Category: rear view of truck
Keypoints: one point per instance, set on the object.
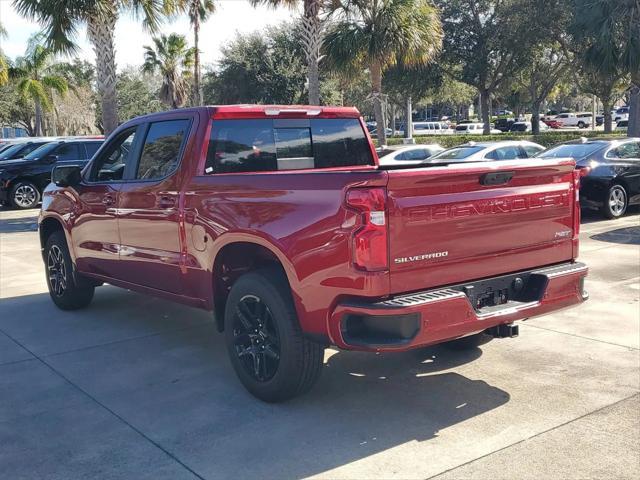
(470, 248)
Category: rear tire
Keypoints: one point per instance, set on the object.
(468, 343)
(68, 290)
(615, 203)
(24, 195)
(268, 351)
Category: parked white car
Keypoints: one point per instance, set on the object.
(622, 113)
(487, 151)
(573, 120)
(431, 128)
(473, 129)
(408, 154)
(526, 127)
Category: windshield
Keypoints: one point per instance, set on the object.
(20, 149)
(11, 151)
(41, 151)
(575, 150)
(457, 153)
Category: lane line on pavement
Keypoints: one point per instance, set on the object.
(597, 410)
(141, 337)
(112, 412)
(581, 336)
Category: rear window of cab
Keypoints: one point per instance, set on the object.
(266, 145)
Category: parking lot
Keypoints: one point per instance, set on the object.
(137, 387)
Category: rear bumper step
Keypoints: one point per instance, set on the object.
(429, 317)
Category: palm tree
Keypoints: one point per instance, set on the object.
(35, 79)
(198, 11)
(380, 34)
(173, 59)
(62, 18)
(609, 34)
(313, 32)
(4, 66)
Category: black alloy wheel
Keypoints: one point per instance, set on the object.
(256, 338)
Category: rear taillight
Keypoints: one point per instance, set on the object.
(578, 173)
(370, 239)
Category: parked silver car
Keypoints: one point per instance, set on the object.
(488, 151)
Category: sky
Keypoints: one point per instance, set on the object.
(231, 16)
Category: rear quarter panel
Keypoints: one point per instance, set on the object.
(300, 217)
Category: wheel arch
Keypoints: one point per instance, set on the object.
(240, 254)
(49, 225)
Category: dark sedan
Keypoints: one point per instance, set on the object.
(611, 172)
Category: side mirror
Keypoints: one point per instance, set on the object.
(66, 175)
(51, 158)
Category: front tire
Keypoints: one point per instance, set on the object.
(616, 202)
(24, 195)
(581, 125)
(68, 291)
(268, 351)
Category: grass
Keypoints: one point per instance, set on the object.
(545, 139)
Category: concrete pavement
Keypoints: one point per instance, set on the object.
(136, 387)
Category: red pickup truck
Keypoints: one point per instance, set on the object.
(280, 221)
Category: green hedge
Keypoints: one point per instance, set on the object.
(545, 139)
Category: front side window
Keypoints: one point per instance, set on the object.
(68, 151)
(111, 164)
(92, 148)
(270, 145)
(161, 151)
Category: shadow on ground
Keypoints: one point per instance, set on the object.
(589, 215)
(163, 369)
(626, 235)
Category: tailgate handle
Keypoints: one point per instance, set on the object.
(496, 178)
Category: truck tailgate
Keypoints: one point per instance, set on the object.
(451, 224)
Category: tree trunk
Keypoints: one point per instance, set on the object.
(100, 31)
(376, 94)
(486, 114)
(634, 111)
(408, 124)
(39, 129)
(312, 38)
(197, 89)
(535, 118)
(607, 105)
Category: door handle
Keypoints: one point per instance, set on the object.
(167, 202)
(108, 200)
(496, 178)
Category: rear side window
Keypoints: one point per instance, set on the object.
(629, 150)
(161, 151)
(270, 145)
(505, 153)
(532, 150)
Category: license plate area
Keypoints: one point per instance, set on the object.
(503, 291)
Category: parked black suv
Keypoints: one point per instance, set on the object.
(22, 181)
(19, 150)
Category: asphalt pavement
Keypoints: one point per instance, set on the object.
(137, 387)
